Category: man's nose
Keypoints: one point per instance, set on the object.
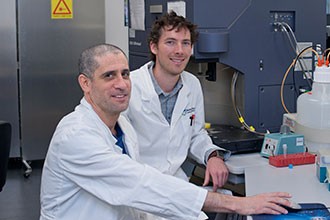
(179, 48)
(121, 82)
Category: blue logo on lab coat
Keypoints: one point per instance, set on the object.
(188, 110)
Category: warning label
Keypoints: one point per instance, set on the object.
(61, 9)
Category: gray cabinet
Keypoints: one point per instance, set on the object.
(38, 71)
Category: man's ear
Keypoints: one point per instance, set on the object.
(153, 48)
(84, 82)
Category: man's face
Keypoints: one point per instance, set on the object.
(110, 87)
(172, 51)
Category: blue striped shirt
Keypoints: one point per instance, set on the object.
(167, 100)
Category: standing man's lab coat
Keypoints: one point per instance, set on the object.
(162, 145)
(87, 177)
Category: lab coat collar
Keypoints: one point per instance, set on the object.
(129, 143)
(149, 96)
(151, 99)
(129, 138)
(181, 103)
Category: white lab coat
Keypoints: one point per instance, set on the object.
(86, 176)
(162, 145)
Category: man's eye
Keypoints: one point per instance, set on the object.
(187, 43)
(125, 74)
(108, 75)
(170, 42)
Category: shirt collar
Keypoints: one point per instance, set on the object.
(159, 90)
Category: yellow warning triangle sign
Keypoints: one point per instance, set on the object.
(62, 8)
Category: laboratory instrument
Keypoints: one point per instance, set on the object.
(285, 142)
(252, 38)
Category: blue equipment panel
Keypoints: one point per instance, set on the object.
(244, 35)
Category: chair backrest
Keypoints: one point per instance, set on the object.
(5, 139)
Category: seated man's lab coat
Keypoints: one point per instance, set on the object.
(86, 176)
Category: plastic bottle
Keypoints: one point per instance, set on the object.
(313, 111)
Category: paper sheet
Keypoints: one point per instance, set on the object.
(137, 14)
(179, 7)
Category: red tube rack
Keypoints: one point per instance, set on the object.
(294, 159)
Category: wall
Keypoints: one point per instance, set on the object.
(115, 31)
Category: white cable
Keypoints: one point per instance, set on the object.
(286, 27)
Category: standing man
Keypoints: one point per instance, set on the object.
(92, 171)
(167, 109)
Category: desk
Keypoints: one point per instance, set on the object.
(300, 181)
(238, 163)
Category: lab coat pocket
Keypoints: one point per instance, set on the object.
(188, 123)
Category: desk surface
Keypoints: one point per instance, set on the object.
(238, 163)
(300, 181)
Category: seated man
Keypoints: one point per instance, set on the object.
(92, 168)
(167, 108)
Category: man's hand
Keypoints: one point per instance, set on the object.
(217, 170)
(265, 203)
